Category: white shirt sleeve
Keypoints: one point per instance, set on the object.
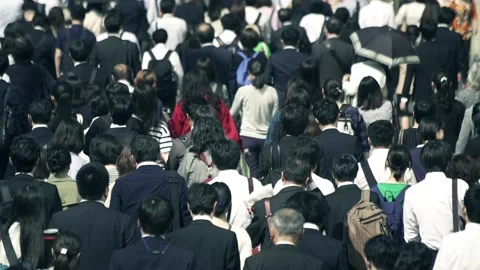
(237, 101)
(410, 224)
(361, 19)
(391, 18)
(145, 60)
(442, 260)
(244, 247)
(361, 180)
(177, 65)
(152, 13)
(242, 218)
(401, 15)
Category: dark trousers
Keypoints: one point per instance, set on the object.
(466, 49)
(281, 98)
(253, 147)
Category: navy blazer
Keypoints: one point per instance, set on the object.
(285, 257)
(43, 136)
(139, 256)
(326, 249)
(221, 58)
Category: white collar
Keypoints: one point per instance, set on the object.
(207, 44)
(289, 47)
(379, 152)
(98, 201)
(18, 173)
(160, 45)
(347, 183)
(202, 217)
(39, 28)
(435, 176)
(420, 145)
(117, 126)
(472, 226)
(127, 83)
(327, 128)
(289, 185)
(287, 23)
(229, 32)
(228, 173)
(443, 25)
(79, 63)
(168, 15)
(285, 243)
(312, 226)
(147, 163)
(39, 126)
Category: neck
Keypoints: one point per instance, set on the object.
(415, 125)
(378, 147)
(392, 179)
(288, 239)
(291, 183)
(77, 22)
(329, 36)
(328, 126)
(61, 174)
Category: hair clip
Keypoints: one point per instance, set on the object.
(339, 90)
(63, 251)
(443, 79)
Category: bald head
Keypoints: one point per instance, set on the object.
(205, 33)
(120, 72)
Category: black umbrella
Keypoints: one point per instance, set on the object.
(384, 45)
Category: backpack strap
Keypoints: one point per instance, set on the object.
(401, 196)
(335, 56)
(220, 41)
(368, 173)
(456, 217)
(258, 18)
(250, 185)
(244, 56)
(167, 55)
(343, 110)
(93, 76)
(268, 213)
(9, 251)
(400, 137)
(121, 34)
(174, 183)
(203, 158)
(152, 56)
(365, 196)
(271, 155)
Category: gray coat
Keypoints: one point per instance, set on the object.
(467, 132)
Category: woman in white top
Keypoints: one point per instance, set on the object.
(25, 227)
(313, 22)
(371, 103)
(221, 217)
(258, 103)
(410, 14)
(361, 69)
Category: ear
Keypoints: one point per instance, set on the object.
(53, 99)
(282, 177)
(138, 224)
(214, 207)
(464, 213)
(369, 142)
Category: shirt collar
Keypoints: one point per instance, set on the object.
(39, 28)
(472, 226)
(228, 173)
(443, 25)
(436, 176)
(312, 226)
(347, 183)
(327, 128)
(202, 217)
(160, 45)
(207, 44)
(147, 163)
(380, 152)
(167, 15)
(117, 126)
(289, 47)
(79, 63)
(420, 145)
(39, 126)
(98, 201)
(287, 23)
(285, 243)
(18, 173)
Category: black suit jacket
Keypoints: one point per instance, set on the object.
(102, 231)
(333, 143)
(139, 256)
(326, 249)
(134, 17)
(276, 40)
(221, 58)
(123, 134)
(214, 248)
(85, 71)
(43, 135)
(457, 54)
(328, 65)
(284, 257)
(340, 202)
(53, 203)
(44, 44)
(191, 12)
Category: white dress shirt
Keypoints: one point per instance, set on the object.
(361, 70)
(128, 85)
(176, 29)
(313, 24)
(159, 51)
(14, 233)
(127, 36)
(459, 250)
(377, 13)
(227, 37)
(324, 185)
(10, 11)
(251, 15)
(410, 14)
(427, 210)
(77, 163)
(238, 186)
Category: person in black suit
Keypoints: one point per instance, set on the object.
(285, 64)
(112, 51)
(334, 55)
(294, 179)
(192, 12)
(287, 232)
(153, 251)
(285, 17)
(102, 230)
(332, 141)
(44, 44)
(381, 252)
(39, 114)
(314, 243)
(89, 74)
(347, 195)
(121, 110)
(148, 179)
(344, 16)
(214, 248)
(134, 17)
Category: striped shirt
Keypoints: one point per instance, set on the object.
(162, 135)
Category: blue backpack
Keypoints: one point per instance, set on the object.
(242, 70)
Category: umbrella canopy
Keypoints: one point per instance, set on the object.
(384, 45)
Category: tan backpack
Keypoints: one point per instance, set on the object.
(364, 221)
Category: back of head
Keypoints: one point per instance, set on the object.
(428, 29)
(294, 119)
(77, 12)
(297, 93)
(413, 32)
(224, 201)
(167, 6)
(343, 14)
(69, 134)
(381, 252)
(121, 110)
(345, 168)
(444, 95)
(317, 7)
(58, 159)
(226, 155)
(326, 112)
(56, 17)
(196, 111)
(430, 127)
(423, 108)
(285, 15)
(249, 38)
(66, 250)
(145, 104)
(308, 205)
(334, 25)
(24, 154)
(238, 10)
(257, 69)
(116, 89)
(92, 181)
(205, 33)
(14, 30)
(307, 148)
(155, 215)
(332, 87)
(40, 111)
(399, 160)
(113, 21)
(78, 90)
(309, 73)
(290, 36)
(446, 15)
(145, 148)
(79, 50)
(121, 72)
(436, 155)
(414, 256)
(296, 171)
(472, 204)
(381, 133)
(206, 68)
(201, 199)
(105, 149)
(41, 21)
(370, 96)
(288, 222)
(160, 36)
(98, 104)
(23, 50)
(230, 22)
(463, 167)
(206, 133)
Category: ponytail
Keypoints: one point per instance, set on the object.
(257, 69)
(444, 94)
(66, 251)
(62, 261)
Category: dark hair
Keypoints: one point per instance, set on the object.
(121, 110)
(297, 94)
(202, 198)
(413, 32)
(326, 112)
(414, 256)
(206, 68)
(381, 133)
(308, 205)
(92, 181)
(238, 10)
(205, 33)
(40, 111)
(215, 11)
(224, 201)
(472, 203)
(167, 6)
(144, 148)
(332, 87)
(105, 149)
(423, 108)
(381, 251)
(78, 50)
(294, 119)
(226, 155)
(370, 96)
(436, 155)
(41, 170)
(428, 28)
(24, 154)
(444, 95)
(125, 162)
(58, 159)
(463, 167)
(249, 38)
(78, 93)
(257, 69)
(14, 30)
(113, 21)
(343, 15)
(40, 20)
(56, 17)
(98, 104)
(196, 87)
(23, 50)
(399, 160)
(229, 22)
(285, 15)
(290, 36)
(160, 36)
(145, 106)
(155, 215)
(196, 111)
(307, 148)
(429, 126)
(116, 89)
(297, 170)
(73, 245)
(63, 94)
(69, 134)
(317, 7)
(77, 12)
(334, 25)
(29, 6)
(207, 132)
(446, 15)
(4, 62)
(28, 209)
(344, 168)
(309, 74)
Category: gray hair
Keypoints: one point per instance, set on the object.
(288, 222)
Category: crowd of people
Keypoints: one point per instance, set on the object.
(228, 135)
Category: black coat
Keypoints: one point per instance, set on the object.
(98, 126)
(43, 136)
(328, 66)
(276, 40)
(102, 231)
(123, 134)
(221, 58)
(44, 44)
(284, 257)
(326, 249)
(191, 12)
(457, 54)
(85, 72)
(134, 17)
(214, 248)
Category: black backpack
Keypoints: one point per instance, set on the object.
(275, 171)
(232, 47)
(5, 119)
(6, 200)
(163, 69)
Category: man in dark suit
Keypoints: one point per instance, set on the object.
(285, 17)
(214, 248)
(134, 17)
(153, 251)
(344, 15)
(87, 73)
(347, 195)
(113, 50)
(285, 64)
(287, 232)
(148, 179)
(102, 230)
(24, 156)
(332, 141)
(44, 44)
(192, 12)
(334, 55)
(39, 114)
(314, 243)
(121, 111)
